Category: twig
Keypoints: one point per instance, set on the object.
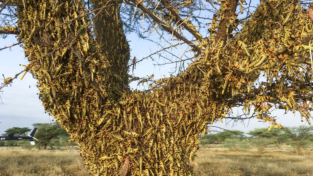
(153, 54)
(195, 33)
(168, 29)
(10, 46)
(4, 5)
(311, 56)
(211, 4)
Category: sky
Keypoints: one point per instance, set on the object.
(21, 107)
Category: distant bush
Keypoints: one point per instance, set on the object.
(230, 134)
(209, 139)
(11, 143)
(221, 136)
(261, 143)
(64, 142)
(23, 142)
(2, 143)
(236, 144)
(54, 144)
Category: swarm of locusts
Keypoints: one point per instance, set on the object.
(156, 133)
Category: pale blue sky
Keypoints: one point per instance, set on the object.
(20, 106)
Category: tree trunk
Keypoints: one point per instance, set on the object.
(114, 46)
(80, 83)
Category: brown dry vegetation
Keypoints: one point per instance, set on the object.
(15, 161)
(212, 160)
(281, 161)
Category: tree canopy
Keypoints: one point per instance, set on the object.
(264, 133)
(17, 131)
(46, 132)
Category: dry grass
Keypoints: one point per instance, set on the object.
(16, 161)
(211, 160)
(282, 161)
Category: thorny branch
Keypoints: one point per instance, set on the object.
(4, 5)
(190, 29)
(168, 29)
(153, 54)
(10, 46)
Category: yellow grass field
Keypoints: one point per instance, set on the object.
(211, 160)
(15, 161)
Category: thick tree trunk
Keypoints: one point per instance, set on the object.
(114, 46)
(80, 84)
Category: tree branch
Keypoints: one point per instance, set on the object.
(11, 30)
(227, 13)
(4, 5)
(190, 29)
(168, 29)
(10, 46)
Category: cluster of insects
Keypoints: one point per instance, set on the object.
(157, 132)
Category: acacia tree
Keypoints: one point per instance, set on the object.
(17, 130)
(47, 132)
(264, 133)
(82, 80)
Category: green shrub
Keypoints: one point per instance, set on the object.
(300, 137)
(299, 145)
(236, 144)
(209, 139)
(23, 142)
(261, 143)
(54, 144)
(2, 143)
(206, 141)
(10, 143)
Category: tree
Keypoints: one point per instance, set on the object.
(209, 139)
(264, 133)
(222, 136)
(83, 81)
(46, 132)
(299, 137)
(18, 131)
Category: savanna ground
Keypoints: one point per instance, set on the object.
(212, 159)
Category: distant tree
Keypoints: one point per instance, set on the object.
(63, 138)
(262, 143)
(46, 132)
(222, 136)
(264, 133)
(17, 130)
(300, 136)
(209, 139)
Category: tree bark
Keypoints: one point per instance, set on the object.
(109, 33)
(231, 6)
